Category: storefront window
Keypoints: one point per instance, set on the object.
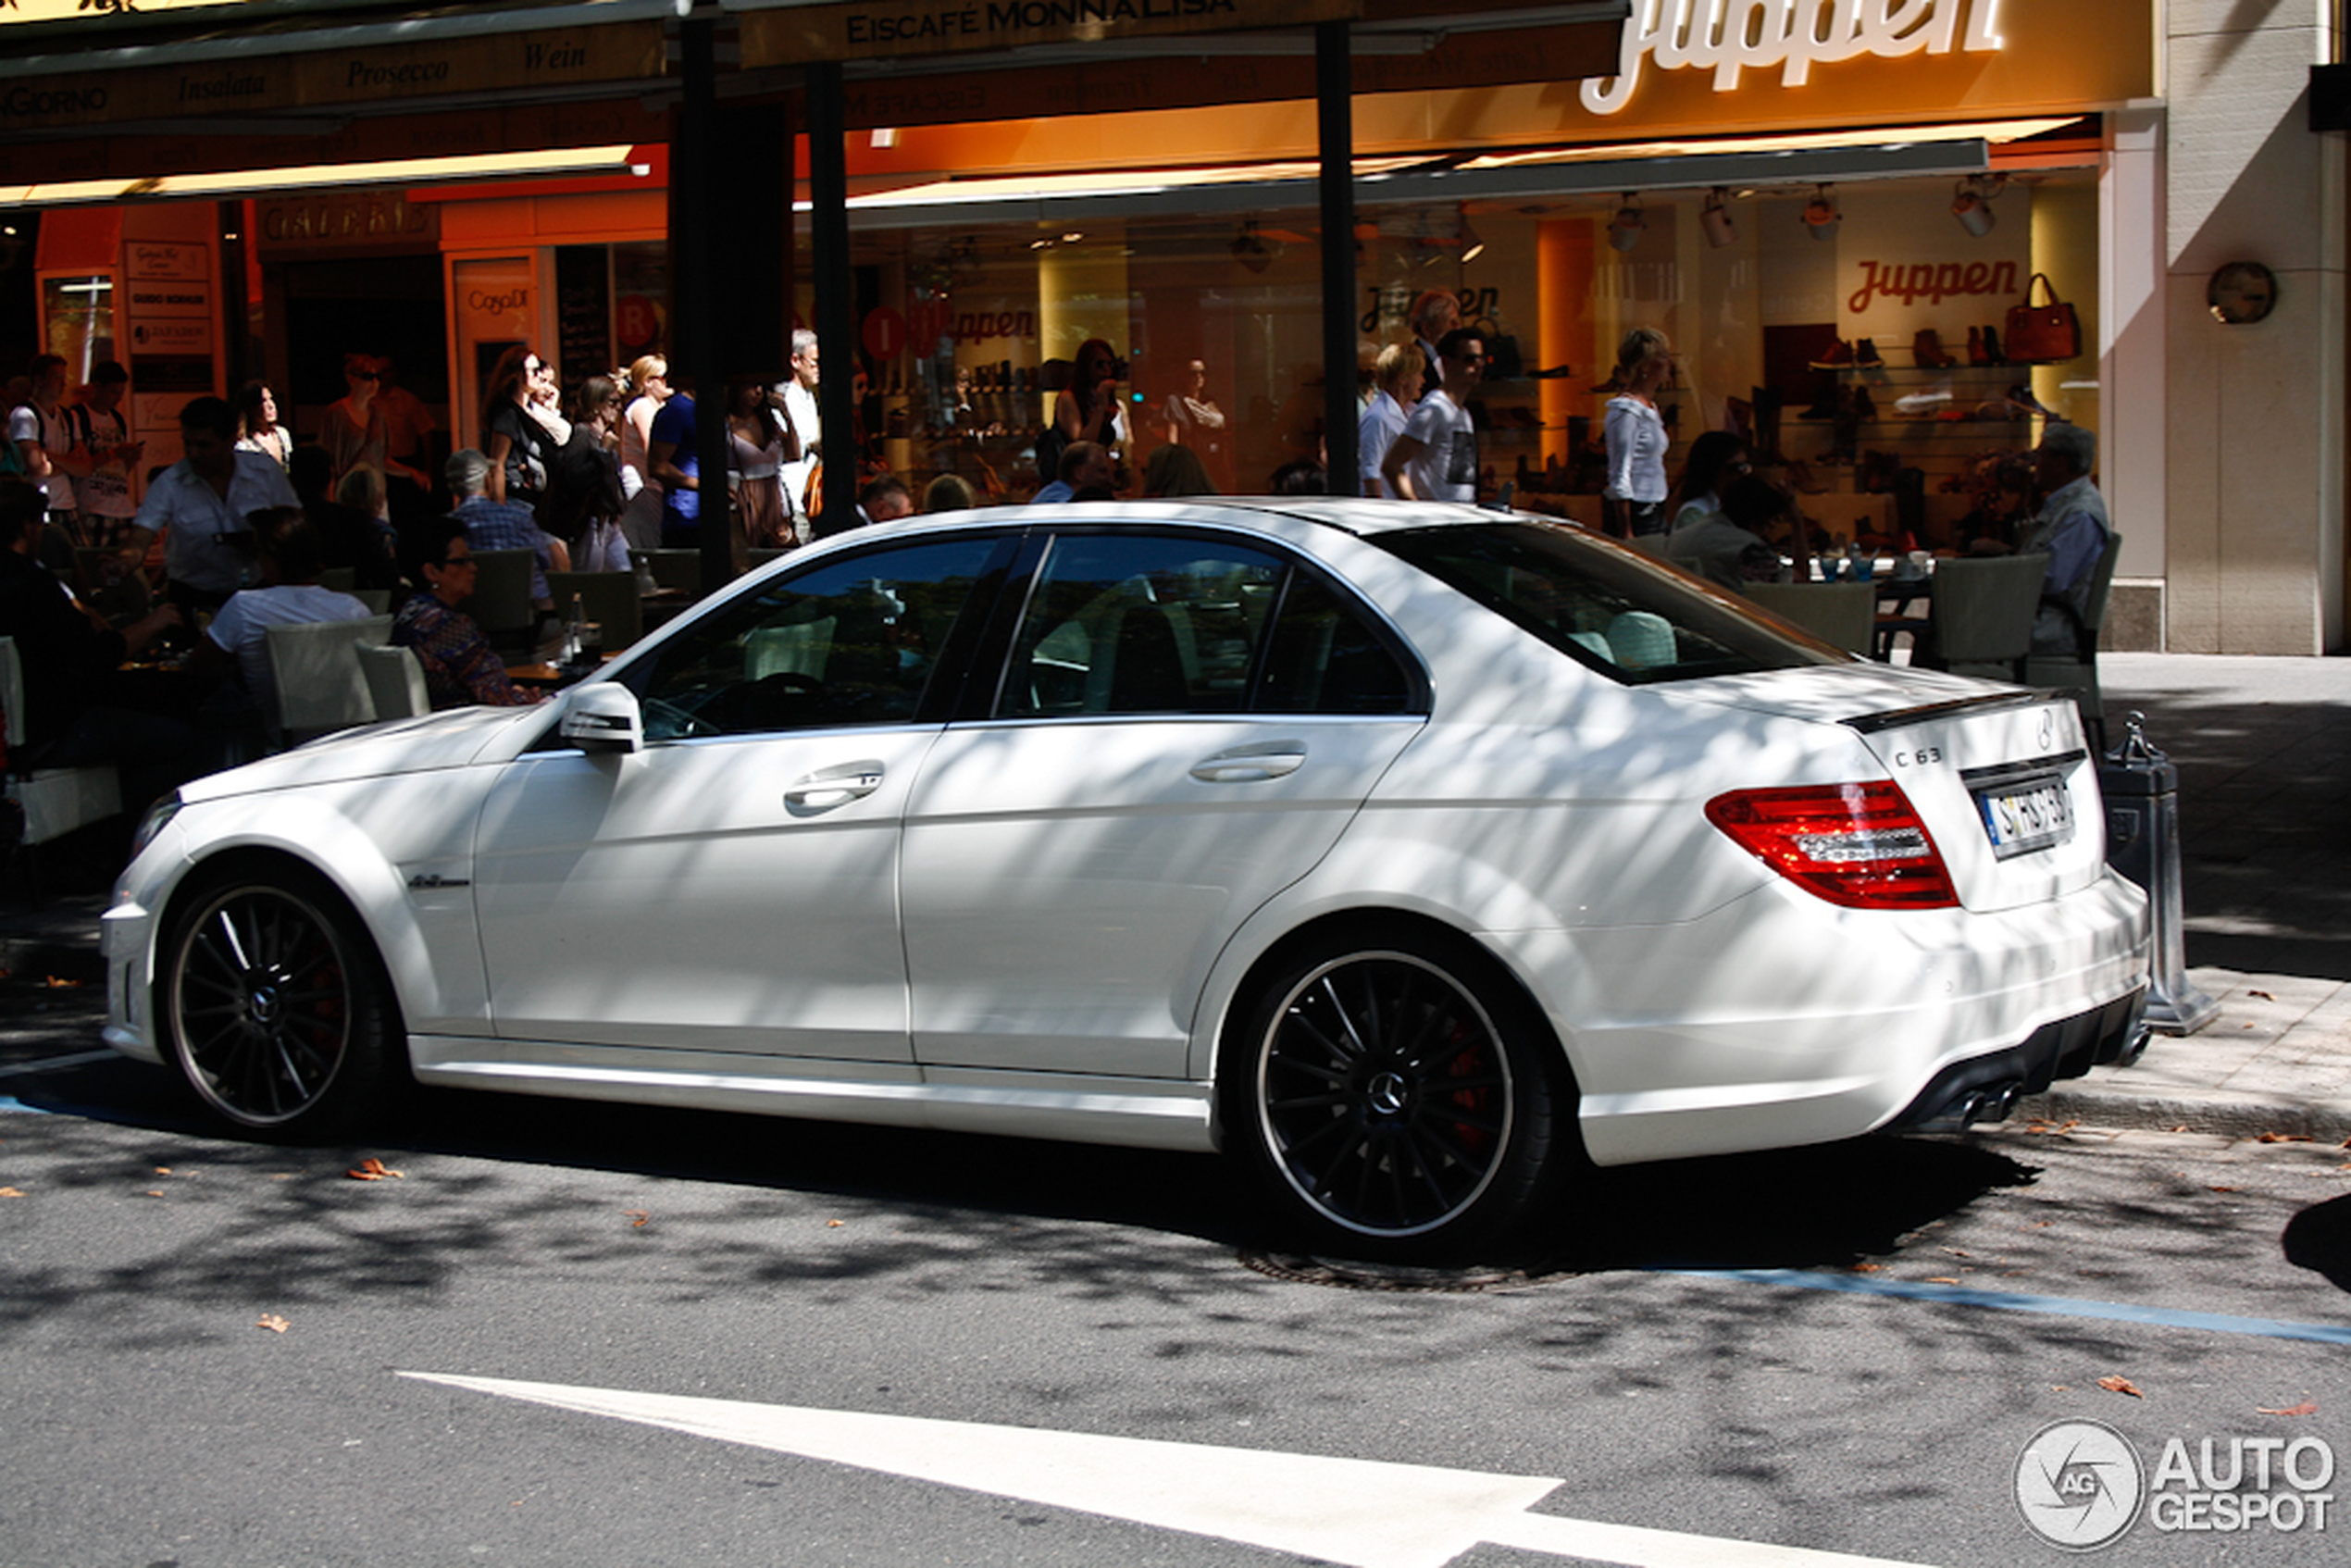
(1860, 354)
(80, 316)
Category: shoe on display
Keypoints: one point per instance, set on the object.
(1992, 355)
(1554, 374)
(1615, 383)
(1838, 357)
(1921, 405)
(2020, 396)
(1926, 351)
(1975, 354)
(1863, 407)
(1865, 356)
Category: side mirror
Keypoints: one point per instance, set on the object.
(602, 716)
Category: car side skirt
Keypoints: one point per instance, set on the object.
(1129, 1113)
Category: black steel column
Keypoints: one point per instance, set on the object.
(836, 293)
(1334, 121)
(694, 305)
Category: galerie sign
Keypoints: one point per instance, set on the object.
(1731, 37)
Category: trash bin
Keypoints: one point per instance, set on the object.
(2142, 792)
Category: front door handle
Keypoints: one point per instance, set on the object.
(834, 786)
(1246, 765)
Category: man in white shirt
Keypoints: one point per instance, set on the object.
(1436, 458)
(48, 434)
(798, 396)
(200, 504)
(289, 595)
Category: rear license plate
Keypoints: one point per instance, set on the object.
(2023, 814)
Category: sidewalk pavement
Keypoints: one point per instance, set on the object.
(2263, 748)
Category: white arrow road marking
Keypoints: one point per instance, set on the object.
(1365, 1512)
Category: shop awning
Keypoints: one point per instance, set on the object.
(1795, 162)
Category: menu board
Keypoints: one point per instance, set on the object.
(583, 313)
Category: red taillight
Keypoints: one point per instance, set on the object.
(1859, 845)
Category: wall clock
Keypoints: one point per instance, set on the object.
(2241, 292)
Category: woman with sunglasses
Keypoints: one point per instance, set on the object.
(354, 431)
(460, 669)
(521, 431)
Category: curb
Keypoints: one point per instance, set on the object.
(2230, 1112)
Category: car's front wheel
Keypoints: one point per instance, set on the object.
(1399, 1100)
(273, 1006)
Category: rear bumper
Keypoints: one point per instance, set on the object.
(1984, 1089)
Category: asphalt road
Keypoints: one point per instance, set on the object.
(1814, 1349)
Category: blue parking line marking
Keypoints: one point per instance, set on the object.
(2002, 1300)
(9, 1103)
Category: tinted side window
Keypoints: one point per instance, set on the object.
(852, 641)
(1134, 623)
(1601, 605)
(1324, 658)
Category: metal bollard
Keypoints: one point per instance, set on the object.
(2142, 792)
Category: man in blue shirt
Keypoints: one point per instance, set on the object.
(503, 525)
(669, 453)
(2071, 529)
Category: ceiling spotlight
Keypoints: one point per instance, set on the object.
(1820, 214)
(1971, 203)
(1471, 243)
(1250, 250)
(1625, 229)
(1715, 219)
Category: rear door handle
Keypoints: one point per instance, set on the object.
(834, 786)
(1246, 765)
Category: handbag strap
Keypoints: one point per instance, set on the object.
(2042, 278)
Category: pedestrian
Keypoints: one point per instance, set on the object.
(1436, 457)
(1396, 381)
(802, 470)
(670, 458)
(105, 492)
(1635, 434)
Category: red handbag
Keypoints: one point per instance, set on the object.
(2041, 334)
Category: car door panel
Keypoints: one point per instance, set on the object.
(735, 894)
(1068, 885)
(1185, 726)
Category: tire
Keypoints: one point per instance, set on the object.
(1400, 1102)
(274, 1007)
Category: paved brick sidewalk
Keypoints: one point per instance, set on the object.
(2263, 747)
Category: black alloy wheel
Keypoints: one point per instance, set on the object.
(273, 1007)
(1396, 1100)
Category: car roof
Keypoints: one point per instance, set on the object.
(1360, 516)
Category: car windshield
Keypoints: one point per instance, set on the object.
(1602, 605)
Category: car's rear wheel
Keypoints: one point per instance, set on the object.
(274, 1006)
(1399, 1100)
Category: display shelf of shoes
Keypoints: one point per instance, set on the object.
(1920, 400)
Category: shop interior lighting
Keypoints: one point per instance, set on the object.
(1971, 203)
(1997, 132)
(1625, 229)
(1714, 218)
(396, 171)
(1820, 214)
(1472, 245)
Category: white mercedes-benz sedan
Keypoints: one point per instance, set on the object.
(1416, 854)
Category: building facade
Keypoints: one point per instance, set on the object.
(1835, 214)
